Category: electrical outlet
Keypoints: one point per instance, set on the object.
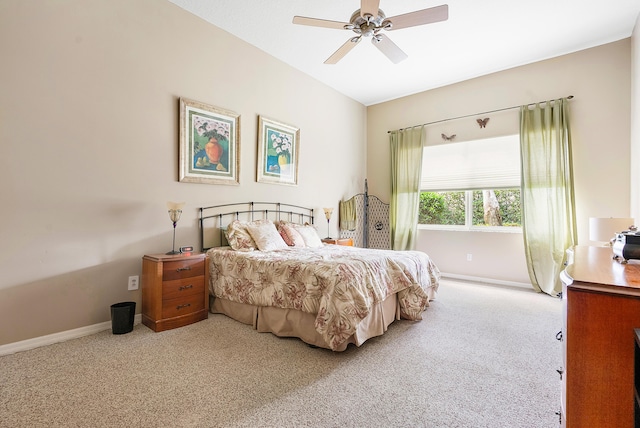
(469, 257)
(133, 282)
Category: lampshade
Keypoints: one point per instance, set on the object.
(328, 212)
(175, 209)
(605, 229)
(175, 205)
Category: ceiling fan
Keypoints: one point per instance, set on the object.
(369, 20)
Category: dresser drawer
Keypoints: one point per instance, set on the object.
(182, 269)
(182, 306)
(182, 287)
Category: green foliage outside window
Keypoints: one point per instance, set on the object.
(448, 208)
(442, 208)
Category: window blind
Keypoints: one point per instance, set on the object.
(492, 163)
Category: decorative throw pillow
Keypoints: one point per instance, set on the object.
(290, 235)
(238, 236)
(309, 235)
(266, 236)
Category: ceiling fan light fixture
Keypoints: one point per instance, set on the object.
(367, 30)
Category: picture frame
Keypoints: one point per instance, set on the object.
(278, 152)
(209, 144)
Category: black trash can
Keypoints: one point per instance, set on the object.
(122, 315)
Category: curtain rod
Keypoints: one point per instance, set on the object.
(478, 114)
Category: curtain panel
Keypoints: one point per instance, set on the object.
(406, 172)
(548, 203)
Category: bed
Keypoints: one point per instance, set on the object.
(268, 268)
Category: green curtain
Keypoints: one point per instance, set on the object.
(406, 171)
(548, 203)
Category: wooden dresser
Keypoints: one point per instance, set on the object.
(174, 290)
(601, 309)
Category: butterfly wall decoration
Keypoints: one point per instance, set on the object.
(446, 138)
(482, 122)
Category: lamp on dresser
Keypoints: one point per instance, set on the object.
(327, 214)
(604, 229)
(175, 210)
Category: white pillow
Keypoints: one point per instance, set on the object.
(309, 235)
(266, 236)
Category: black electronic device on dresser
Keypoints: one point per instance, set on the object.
(626, 246)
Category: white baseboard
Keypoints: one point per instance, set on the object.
(25, 345)
(487, 280)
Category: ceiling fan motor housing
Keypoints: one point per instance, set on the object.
(368, 25)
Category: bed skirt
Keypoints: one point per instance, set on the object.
(294, 323)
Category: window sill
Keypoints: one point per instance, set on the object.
(480, 229)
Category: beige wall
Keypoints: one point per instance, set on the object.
(89, 147)
(599, 78)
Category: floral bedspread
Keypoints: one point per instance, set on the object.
(339, 284)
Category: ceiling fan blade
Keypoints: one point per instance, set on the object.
(390, 49)
(420, 17)
(314, 22)
(369, 7)
(343, 50)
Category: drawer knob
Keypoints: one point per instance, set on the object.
(186, 305)
(184, 268)
(185, 287)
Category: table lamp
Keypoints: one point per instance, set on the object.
(327, 214)
(175, 210)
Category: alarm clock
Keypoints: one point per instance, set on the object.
(186, 249)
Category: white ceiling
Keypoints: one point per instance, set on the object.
(480, 37)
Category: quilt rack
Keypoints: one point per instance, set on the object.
(217, 217)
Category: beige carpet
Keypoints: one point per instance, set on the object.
(483, 356)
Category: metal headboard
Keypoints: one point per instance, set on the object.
(217, 217)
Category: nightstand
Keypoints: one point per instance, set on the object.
(174, 290)
(339, 241)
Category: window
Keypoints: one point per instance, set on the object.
(472, 185)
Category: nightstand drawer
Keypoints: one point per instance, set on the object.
(182, 287)
(182, 269)
(182, 306)
(348, 242)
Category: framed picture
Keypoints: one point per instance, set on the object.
(209, 144)
(278, 152)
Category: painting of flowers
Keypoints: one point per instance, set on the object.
(209, 144)
(278, 148)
